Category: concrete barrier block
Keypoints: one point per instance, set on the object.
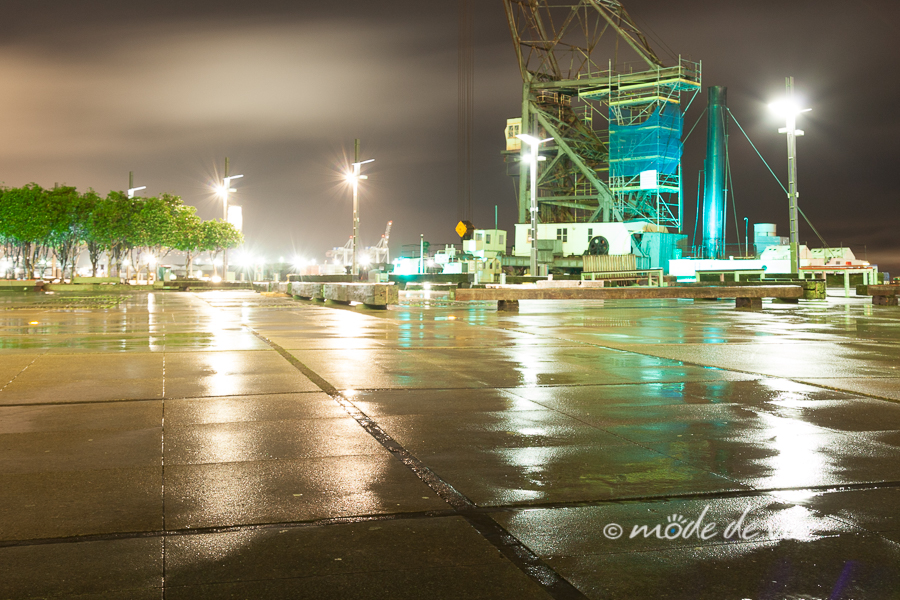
(748, 303)
(336, 292)
(309, 291)
(370, 294)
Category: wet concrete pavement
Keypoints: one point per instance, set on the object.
(231, 445)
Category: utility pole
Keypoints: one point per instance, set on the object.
(131, 188)
(355, 177)
(534, 143)
(790, 110)
(225, 189)
(354, 272)
(225, 219)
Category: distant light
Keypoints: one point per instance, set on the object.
(787, 108)
(172, 276)
(531, 140)
(33, 323)
(215, 279)
(151, 260)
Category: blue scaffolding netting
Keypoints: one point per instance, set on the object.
(654, 145)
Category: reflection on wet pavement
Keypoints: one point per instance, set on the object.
(162, 418)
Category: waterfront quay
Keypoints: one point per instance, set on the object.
(231, 444)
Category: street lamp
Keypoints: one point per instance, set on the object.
(131, 188)
(789, 109)
(534, 158)
(223, 191)
(354, 178)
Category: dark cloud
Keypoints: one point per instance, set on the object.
(167, 89)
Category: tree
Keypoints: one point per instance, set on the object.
(27, 222)
(154, 226)
(110, 229)
(220, 235)
(187, 234)
(69, 213)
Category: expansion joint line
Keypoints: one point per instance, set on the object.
(20, 372)
(508, 545)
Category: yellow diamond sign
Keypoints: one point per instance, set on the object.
(461, 229)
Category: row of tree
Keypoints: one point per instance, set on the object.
(35, 222)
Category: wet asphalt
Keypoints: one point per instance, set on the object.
(236, 445)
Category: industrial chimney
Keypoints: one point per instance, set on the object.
(714, 194)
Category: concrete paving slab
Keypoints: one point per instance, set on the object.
(845, 566)
(128, 568)
(427, 434)
(243, 409)
(335, 550)
(793, 551)
(436, 402)
(213, 495)
(622, 528)
(44, 452)
(87, 377)
(477, 582)
(881, 387)
(193, 375)
(875, 510)
(77, 503)
(540, 475)
(101, 416)
(382, 369)
(267, 440)
(803, 361)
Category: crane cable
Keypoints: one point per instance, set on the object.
(752, 145)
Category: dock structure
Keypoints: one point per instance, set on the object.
(746, 297)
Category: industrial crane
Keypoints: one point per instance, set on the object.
(379, 252)
(586, 64)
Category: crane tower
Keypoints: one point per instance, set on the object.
(611, 105)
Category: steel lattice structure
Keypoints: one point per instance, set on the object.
(585, 62)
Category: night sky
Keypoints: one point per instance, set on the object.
(93, 90)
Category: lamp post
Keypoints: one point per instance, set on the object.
(131, 188)
(789, 110)
(534, 143)
(354, 178)
(223, 191)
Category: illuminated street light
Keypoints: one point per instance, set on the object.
(533, 159)
(789, 109)
(223, 191)
(354, 178)
(131, 188)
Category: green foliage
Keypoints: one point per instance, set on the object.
(35, 221)
(219, 235)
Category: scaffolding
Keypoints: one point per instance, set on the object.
(612, 122)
